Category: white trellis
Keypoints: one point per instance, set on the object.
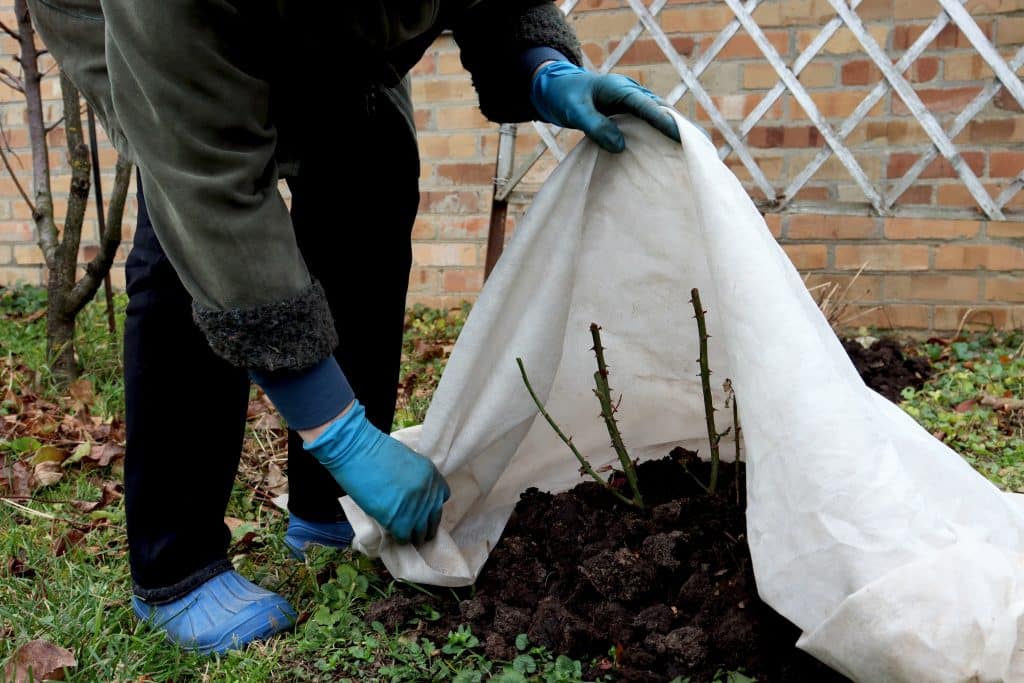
(880, 194)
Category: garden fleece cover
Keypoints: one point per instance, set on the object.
(896, 559)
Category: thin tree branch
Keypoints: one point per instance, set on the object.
(11, 80)
(7, 29)
(604, 396)
(110, 240)
(567, 440)
(42, 214)
(17, 183)
(56, 124)
(78, 192)
(705, 379)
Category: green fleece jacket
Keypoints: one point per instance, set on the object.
(207, 97)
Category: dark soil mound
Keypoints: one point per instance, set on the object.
(669, 589)
(886, 368)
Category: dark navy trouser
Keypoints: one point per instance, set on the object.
(354, 201)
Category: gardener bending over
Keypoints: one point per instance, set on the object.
(215, 100)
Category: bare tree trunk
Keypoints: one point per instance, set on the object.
(66, 296)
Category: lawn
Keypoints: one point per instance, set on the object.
(63, 565)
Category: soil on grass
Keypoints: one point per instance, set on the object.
(670, 589)
(886, 367)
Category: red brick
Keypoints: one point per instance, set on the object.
(426, 65)
(900, 163)
(1004, 100)
(916, 194)
(463, 280)
(950, 37)
(890, 316)
(923, 69)
(938, 100)
(984, 256)
(1005, 164)
(807, 256)
(449, 202)
(785, 136)
(424, 228)
(16, 232)
(742, 46)
(929, 228)
(467, 174)
(774, 223)
(931, 287)
(977, 317)
(830, 227)
(423, 280)
(995, 130)
(646, 51)
(1013, 230)
(435, 254)
(860, 72)
(1009, 289)
(811, 193)
(14, 275)
(460, 117)
(881, 257)
(465, 227)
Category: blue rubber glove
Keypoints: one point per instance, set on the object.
(571, 97)
(396, 486)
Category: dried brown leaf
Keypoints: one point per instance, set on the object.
(67, 541)
(39, 660)
(81, 390)
(46, 473)
(20, 477)
(105, 453)
(276, 482)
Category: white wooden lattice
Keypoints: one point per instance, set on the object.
(881, 194)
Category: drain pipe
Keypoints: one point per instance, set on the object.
(499, 200)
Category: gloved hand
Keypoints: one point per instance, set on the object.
(571, 97)
(396, 486)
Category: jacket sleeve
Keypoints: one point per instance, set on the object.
(189, 84)
(493, 36)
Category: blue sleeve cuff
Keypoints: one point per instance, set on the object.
(307, 398)
(534, 57)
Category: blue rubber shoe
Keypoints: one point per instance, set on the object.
(226, 613)
(301, 534)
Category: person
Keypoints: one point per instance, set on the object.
(215, 101)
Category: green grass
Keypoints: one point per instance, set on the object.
(79, 599)
(952, 405)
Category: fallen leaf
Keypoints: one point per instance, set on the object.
(38, 660)
(269, 421)
(276, 482)
(111, 491)
(67, 541)
(233, 523)
(82, 450)
(105, 453)
(47, 474)
(16, 567)
(964, 406)
(49, 454)
(20, 477)
(81, 390)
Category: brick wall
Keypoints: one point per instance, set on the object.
(922, 273)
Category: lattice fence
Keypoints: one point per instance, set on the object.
(880, 194)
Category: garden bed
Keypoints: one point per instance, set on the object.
(639, 595)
